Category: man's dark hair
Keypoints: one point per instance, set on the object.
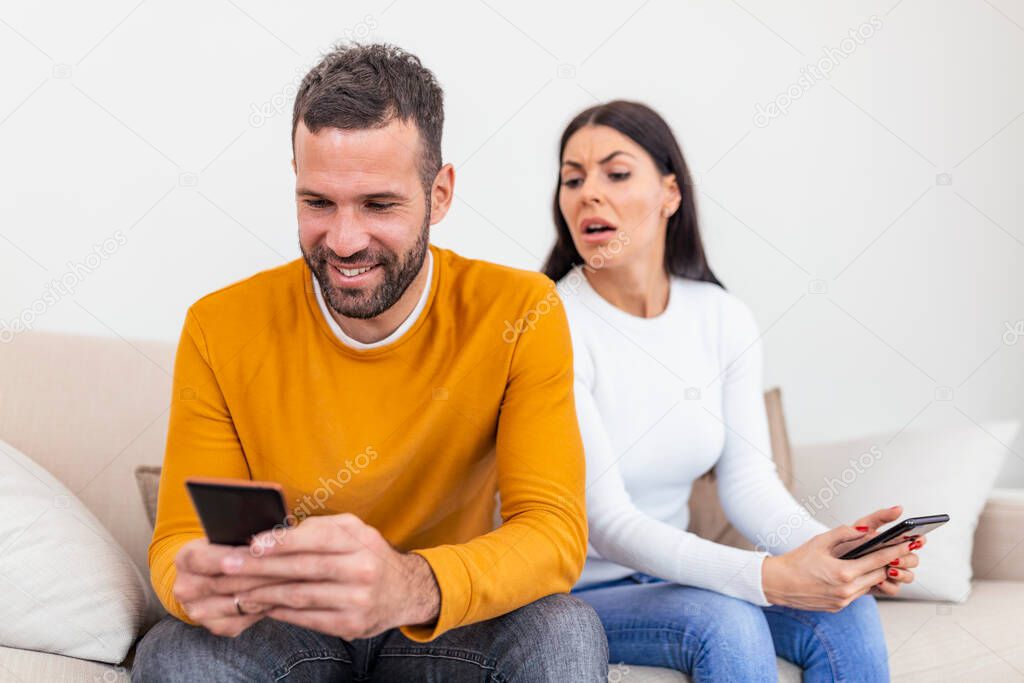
(355, 87)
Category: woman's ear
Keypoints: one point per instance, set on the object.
(673, 198)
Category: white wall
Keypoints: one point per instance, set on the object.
(875, 228)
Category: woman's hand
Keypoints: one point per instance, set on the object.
(812, 577)
(870, 524)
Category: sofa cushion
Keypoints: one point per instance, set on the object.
(148, 479)
(68, 587)
(89, 410)
(999, 539)
(945, 470)
(978, 640)
(23, 666)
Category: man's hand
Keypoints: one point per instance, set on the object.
(336, 575)
(207, 595)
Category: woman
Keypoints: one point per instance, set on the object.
(668, 384)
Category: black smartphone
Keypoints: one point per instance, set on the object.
(896, 534)
(234, 510)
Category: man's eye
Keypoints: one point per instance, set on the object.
(572, 182)
(621, 175)
(317, 203)
(379, 206)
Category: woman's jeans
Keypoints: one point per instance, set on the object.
(713, 637)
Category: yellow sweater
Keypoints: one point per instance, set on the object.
(414, 437)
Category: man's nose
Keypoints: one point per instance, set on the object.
(346, 235)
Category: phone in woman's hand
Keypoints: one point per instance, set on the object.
(896, 534)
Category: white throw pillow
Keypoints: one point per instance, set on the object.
(66, 586)
(948, 470)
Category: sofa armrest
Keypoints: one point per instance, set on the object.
(999, 539)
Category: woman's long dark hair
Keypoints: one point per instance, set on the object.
(684, 251)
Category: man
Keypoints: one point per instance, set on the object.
(392, 388)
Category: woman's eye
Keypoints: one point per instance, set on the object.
(572, 182)
(317, 203)
(619, 176)
(379, 206)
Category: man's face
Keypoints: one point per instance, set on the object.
(363, 214)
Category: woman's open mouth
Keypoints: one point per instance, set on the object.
(596, 230)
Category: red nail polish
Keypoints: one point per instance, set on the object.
(894, 572)
(915, 545)
(861, 528)
(895, 562)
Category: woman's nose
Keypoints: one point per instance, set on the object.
(590, 193)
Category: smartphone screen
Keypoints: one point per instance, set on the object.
(233, 511)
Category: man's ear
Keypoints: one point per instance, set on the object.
(441, 193)
(294, 169)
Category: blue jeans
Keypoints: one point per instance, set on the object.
(713, 637)
(555, 639)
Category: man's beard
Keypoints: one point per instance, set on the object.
(356, 302)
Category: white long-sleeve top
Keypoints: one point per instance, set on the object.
(660, 401)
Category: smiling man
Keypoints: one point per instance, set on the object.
(375, 379)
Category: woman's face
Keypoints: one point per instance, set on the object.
(613, 198)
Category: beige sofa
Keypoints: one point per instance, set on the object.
(92, 410)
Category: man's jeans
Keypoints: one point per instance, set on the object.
(558, 638)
